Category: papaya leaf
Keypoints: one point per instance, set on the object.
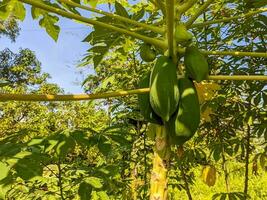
(19, 10)
(49, 23)
(120, 10)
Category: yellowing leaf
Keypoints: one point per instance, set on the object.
(205, 116)
(206, 90)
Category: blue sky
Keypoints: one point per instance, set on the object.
(59, 58)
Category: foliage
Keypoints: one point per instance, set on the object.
(9, 28)
(80, 151)
(21, 68)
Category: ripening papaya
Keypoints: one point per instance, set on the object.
(209, 175)
(196, 64)
(147, 53)
(144, 103)
(182, 36)
(184, 123)
(164, 91)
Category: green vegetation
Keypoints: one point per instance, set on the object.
(106, 149)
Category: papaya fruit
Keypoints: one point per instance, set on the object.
(164, 91)
(196, 64)
(182, 36)
(144, 102)
(209, 175)
(184, 123)
(147, 53)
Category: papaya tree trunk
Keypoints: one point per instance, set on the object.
(159, 180)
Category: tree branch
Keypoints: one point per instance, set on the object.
(114, 16)
(80, 97)
(198, 13)
(235, 53)
(185, 6)
(152, 41)
(229, 19)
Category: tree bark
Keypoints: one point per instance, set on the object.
(159, 181)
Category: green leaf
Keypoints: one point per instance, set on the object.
(256, 3)
(103, 195)
(19, 10)
(4, 169)
(217, 152)
(139, 15)
(223, 196)
(120, 10)
(36, 12)
(49, 23)
(94, 182)
(85, 191)
(263, 161)
(9, 149)
(6, 8)
(29, 167)
(65, 146)
(92, 3)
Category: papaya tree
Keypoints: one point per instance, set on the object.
(177, 34)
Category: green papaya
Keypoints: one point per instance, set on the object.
(184, 123)
(147, 53)
(182, 36)
(144, 103)
(196, 64)
(164, 91)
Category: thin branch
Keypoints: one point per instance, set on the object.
(161, 6)
(80, 97)
(152, 41)
(114, 16)
(235, 53)
(199, 12)
(185, 6)
(229, 53)
(239, 77)
(229, 19)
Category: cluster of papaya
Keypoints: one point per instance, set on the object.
(173, 102)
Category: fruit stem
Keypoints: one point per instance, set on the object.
(198, 13)
(152, 41)
(115, 16)
(229, 19)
